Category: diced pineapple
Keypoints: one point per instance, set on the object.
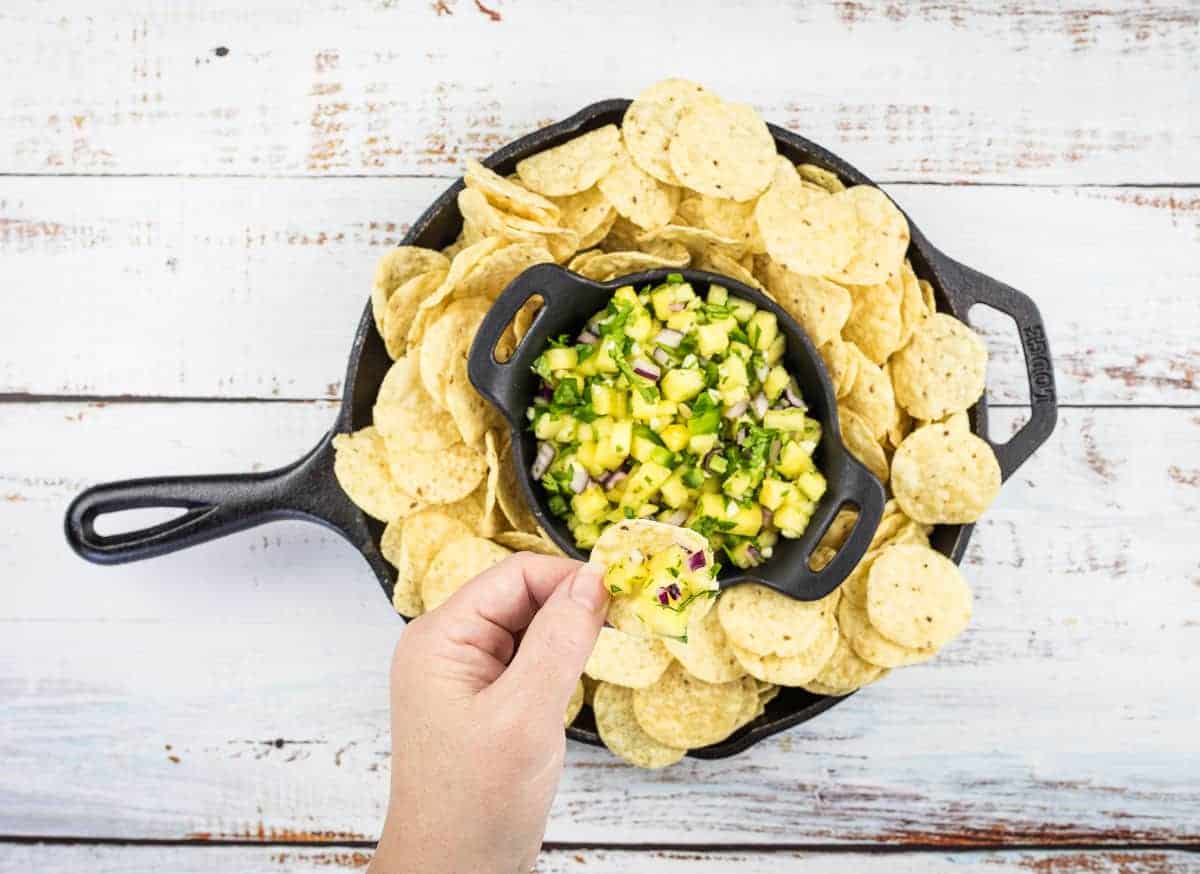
(717, 295)
(602, 361)
(643, 448)
(762, 329)
(586, 455)
(737, 484)
(775, 350)
(674, 492)
(604, 399)
(742, 309)
(812, 484)
(562, 358)
(776, 382)
(791, 519)
(792, 419)
(675, 436)
(586, 535)
(682, 385)
(712, 339)
(732, 372)
(747, 520)
(793, 460)
(626, 295)
(642, 409)
(590, 504)
(700, 444)
(640, 325)
(644, 481)
(773, 493)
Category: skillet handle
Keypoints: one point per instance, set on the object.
(857, 486)
(214, 507)
(970, 287)
(566, 297)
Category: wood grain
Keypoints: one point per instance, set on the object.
(253, 288)
(1059, 92)
(314, 860)
(238, 692)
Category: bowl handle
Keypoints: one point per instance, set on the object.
(213, 506)
(856, 486)
(969, 287)
(566, 297)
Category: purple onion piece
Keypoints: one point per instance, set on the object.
(767, 516)
(673, 591)
(792, 393)
(579, 479)
(760, 405)
(677, 307)
(668, 337)
(737, 409)
(545, 392)
(586, 336)
(742, 433)
(663, 598)
(712, 453)
(613, 478)
(542, 461)
(646, 369)
(755, 555)
(676, 518)
(697, 560)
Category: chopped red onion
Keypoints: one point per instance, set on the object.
(737, 409)
(663, 598)
(661, 356)
(542, 461)
(677, 306)
(673, 591)
(760, 405)
(676, 518)
(646, 369)
(755, 555)
(697, 560)
(579, 478)
(613, 478)
(792, 393)
(586, 336)
(668, 337)
(742, 433)
(712, 453)
(761, 372)
(776, 445)
(767, 516)
(545, 392)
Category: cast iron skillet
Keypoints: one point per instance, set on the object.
(569, 301)
(215, 506)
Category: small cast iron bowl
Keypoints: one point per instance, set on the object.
(569, 301)
(214, 506)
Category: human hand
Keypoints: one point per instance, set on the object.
(479, 687)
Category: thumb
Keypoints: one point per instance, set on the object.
(557, 643)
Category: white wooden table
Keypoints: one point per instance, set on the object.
(192, 199)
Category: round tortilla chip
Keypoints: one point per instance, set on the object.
(944, 476)
(872, 646)
(469, 510)
(730, 219)
(623, 735)
(880, 237)
(871, 396)
(706, 654)
(875, 325)
(765, 622)
(473, 415)
(795, 670)
(716, 261)
(683, 712)
(844, 671)
(496, 270)
(455, 564)
(421, 536)
(406, 415)
(575, 704)
(723, 150)
(395, 269)
(509, 196)
(857, 436)
(820, 306)
(406, 594)
(434, 305)
(696, 240)
(588, 214)
(650, 122)
(509, 494)
(575, 166)
(842, 364)
(638, 196)
(942, 370)
(440, 346)
(492, 521)
(917, 597)
(440, 477)
(361, 467)
(610, 265)
(523, 541)
(808, 232)
(820, 177)
(626, 660)
(402, 308)
(912, 304)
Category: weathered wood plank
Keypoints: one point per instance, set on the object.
(1058, 717)
(1052, 92)
(70, 859)
(253, 288)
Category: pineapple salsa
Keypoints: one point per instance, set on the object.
(676, 407)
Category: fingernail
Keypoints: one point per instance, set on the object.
(588, 587)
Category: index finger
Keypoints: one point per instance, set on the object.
(510, 593)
